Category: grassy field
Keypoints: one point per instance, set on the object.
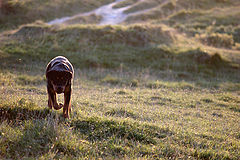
(165, 89)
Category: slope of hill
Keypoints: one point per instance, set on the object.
(14, 12)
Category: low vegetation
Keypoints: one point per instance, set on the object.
(14, 12)
(165, 89)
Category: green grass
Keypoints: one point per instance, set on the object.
(166, 89)
(134, 96)
(171, 120)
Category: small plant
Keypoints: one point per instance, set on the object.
(134, 83)
(111, 80)
(121, 113)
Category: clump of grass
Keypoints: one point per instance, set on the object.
(184, 15)
(115, 80)
(209, 154)
(217, 40)
(236, 34)
(122, 92)
(121, 113)
(6, 79)
(134, 83)
(202, 57)
(111, 80)
(177, 85)
(237, 46)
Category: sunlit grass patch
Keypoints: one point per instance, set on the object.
(141, 133)
(39, 137)
(111, 80)
(217, 40)
(22, 110)
(121, 113)
(30, 80)
(178, 85)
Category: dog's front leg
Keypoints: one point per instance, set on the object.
(67, 101)
(50, 96)
(52, 99)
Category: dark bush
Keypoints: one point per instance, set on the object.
(9, 7)
(217, 40)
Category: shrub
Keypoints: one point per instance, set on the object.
(236, 34)
(237, 46)
(217, 40)
(10, 6)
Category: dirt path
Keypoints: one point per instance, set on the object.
(109, 14)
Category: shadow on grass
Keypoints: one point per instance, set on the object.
(16, 114)
(103, 129)
(37, 138)
(22, 110)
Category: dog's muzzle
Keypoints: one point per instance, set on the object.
(59, 89)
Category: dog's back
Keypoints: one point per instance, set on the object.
(59, 63)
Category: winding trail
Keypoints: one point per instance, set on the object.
(109, 14)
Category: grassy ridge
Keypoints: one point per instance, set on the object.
(217, 19)
(132, 46)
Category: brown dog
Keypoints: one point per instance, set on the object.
(59, 74)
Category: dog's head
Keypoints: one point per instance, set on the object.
(59, 80)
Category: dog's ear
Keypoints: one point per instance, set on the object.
(69, 75)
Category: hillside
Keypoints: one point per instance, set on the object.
(160, 81)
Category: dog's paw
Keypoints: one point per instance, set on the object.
(60, 105)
